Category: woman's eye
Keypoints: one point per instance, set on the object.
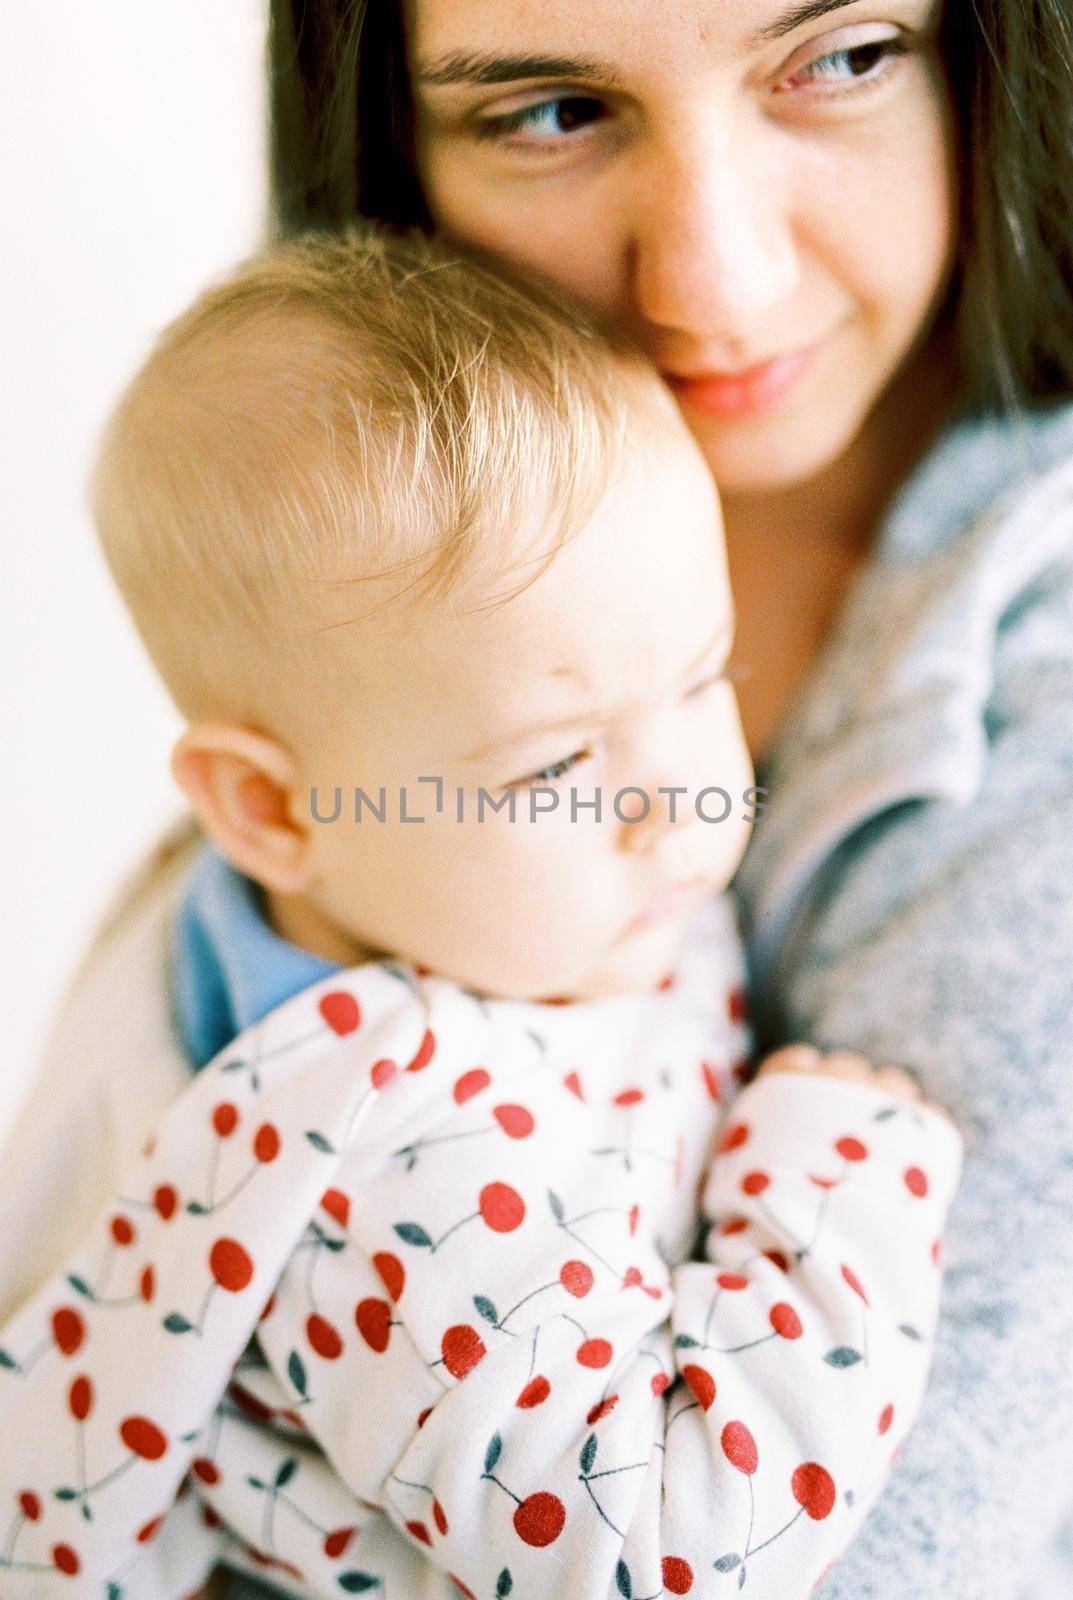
(552, 774)
(854, 64)
(546, 121)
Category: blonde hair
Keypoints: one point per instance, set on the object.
(341, 409)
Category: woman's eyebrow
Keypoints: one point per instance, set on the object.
(811, 11)
(483, 67)
(479, 67)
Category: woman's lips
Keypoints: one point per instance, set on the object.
(745, 393)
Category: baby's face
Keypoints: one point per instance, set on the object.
(604, 674)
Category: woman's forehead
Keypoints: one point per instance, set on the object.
(487, 41)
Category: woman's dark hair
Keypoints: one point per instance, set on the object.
(342, 146)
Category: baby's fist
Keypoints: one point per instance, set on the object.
(849, 1065)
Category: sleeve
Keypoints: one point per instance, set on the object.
(943, 940)
(738, 1444)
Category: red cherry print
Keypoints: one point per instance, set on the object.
(225, 1119)
(337, 1206)
(851, 1149)
(823, 1183)
(573, 1083)
(373, 1318)
(916, 1182)
(29, 1505)
(392, 1272)
(205, 1470)
(418, 1531)
(937, 1251)
(535, 1393)
(382, 1072)
(122, 1230)
(165, 1201)
(502, 1207)
(65, 1560)
(324, 1339)
(633, 1217)
(270, 1306)
(143, 1438)
(629, 1097)
(785, 1320)
(677, 1575)
(266, 1143)
(423, 1416)
(150, 1530)
(660, 1380)
(813, 1488)
(230, 1265)
(439, 1517)
(539, 1520)
(778, 1259)
(460, 1586)
(733, 1225)
(80, 1398)
(755, 1182)
(736, 1007)
(702, 1384)
(340, 1011)
(147, 1284)
(576, 1278)
(425, 1051)
(734, 1137)
(631, 1277)
(739, 1447)
(68, 1330)
(712, 1081)
(602, 1408)
(731, 1280)
(336, 1541)
(461, 1348)
(594, 1353)
(886, 1417)
(854, 1282)
(469, 1084)
(516, 1121)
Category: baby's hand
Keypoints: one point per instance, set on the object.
(849, 1065)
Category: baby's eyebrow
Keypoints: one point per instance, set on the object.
(534, 730)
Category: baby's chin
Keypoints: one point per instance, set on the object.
(643, 959)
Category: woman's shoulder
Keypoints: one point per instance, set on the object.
(111, 1064)
(978, 466)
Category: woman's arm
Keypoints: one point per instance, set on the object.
(942, 938)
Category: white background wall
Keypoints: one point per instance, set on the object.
(133, 164)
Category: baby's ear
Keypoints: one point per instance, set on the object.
(240, 785)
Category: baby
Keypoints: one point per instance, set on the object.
(400, 1299)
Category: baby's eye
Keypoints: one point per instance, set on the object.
(552, 774)
(725, 674)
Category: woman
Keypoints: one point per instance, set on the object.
(843, 232)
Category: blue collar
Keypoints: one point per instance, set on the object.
(231, 968)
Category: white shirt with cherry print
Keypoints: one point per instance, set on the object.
(399, 1302)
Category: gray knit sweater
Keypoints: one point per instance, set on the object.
(909, 893)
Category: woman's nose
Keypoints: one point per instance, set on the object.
(713, 246)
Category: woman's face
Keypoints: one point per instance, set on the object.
(763, 195)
